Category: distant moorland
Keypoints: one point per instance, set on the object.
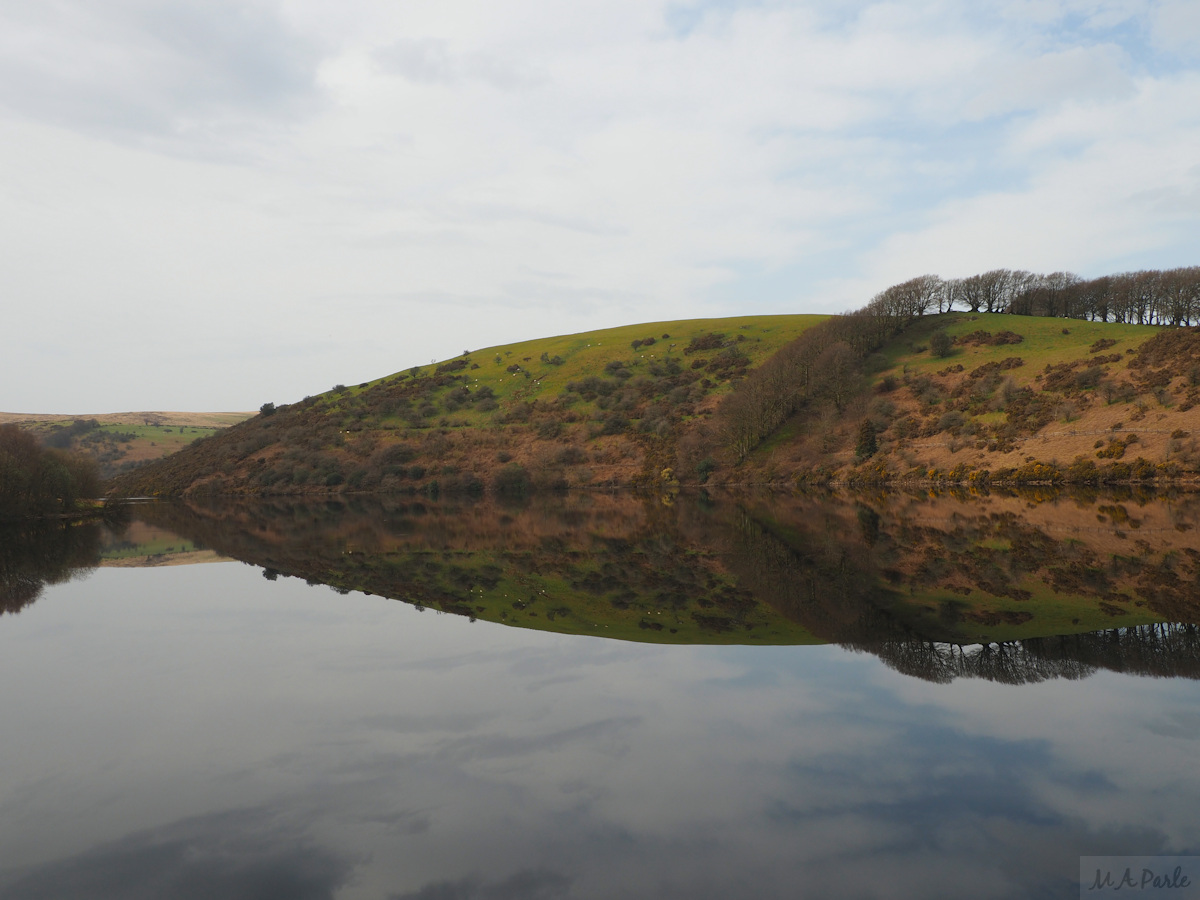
(118, 442)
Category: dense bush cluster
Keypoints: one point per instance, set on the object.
(36, 481)
(655, 393)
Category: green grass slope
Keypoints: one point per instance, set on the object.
(599, 408)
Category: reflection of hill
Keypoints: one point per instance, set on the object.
(816, 575)
(141, 545)
(988, 569)
(997, 587)
(914, 581)
(603, 564)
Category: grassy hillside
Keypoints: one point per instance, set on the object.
(1010, 392)
(951, 397)
(600, 408)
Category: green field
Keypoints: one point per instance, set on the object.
(166, 435)
(1043, 342)
(120, 441)
(587, 354)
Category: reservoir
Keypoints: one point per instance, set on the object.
(593, 696)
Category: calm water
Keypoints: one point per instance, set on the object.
(205, 731)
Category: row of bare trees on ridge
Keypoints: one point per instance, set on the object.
(824, 363)
(1147, 297)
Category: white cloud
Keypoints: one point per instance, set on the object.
(1125, 192)
(135, 70)
(1175, 26)
(464, 173)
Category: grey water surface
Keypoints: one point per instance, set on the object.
(200, 731)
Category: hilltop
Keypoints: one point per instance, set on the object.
(602, 408)
(873, 396)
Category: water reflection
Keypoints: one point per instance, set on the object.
(40, 552)
(1039, 586)
(1012, 587)
(203, 731)
(1160, 650)
(253, 854)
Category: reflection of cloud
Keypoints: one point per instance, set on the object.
(411, 723)
(537, 884)
(742, 771)
(486, 746)
(235, 855)
(403, 822)
(1180, 724)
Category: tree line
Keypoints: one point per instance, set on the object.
(1146, 297)
(824, 363)
(38, 481)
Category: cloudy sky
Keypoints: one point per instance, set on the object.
(208, 204)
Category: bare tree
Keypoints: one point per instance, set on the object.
(837, 373)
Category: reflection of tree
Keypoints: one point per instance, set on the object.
(37, 553)
(833, 570)
(828, 583)
(1160, 650)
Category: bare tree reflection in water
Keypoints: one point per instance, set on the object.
(839, 589)
(1166, 650)
(40, 552)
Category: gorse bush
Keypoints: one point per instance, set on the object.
(940, 343)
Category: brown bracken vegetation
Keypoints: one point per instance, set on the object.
(713, 408)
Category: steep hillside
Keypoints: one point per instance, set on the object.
(873, 396)
(601, 408)
(1024, 398)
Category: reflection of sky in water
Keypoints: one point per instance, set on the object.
(201, 732)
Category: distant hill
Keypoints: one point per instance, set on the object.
(139, 545)
(873, 396)
(122, 441)
(156, 417)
